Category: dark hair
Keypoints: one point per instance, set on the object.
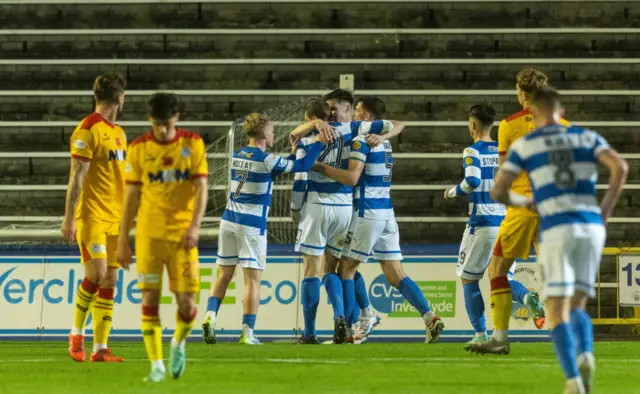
(163, 106)
(340, 95)
(485, 113)
(374, 105)
(530, 80)
(317, 108)
(108, 86)
(545, 98)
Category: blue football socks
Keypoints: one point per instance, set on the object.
(410, 290)
(333, 285)
(474, 304)
(583, 330)
(565, 351)
(249, 320)
(349, 299)
(213, 304)
(518, 291)
(361, 291)
(310, 298)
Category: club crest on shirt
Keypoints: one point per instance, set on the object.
(80, 144)
(185, 152)
(97, 248)
(468, 160)
(356, 145)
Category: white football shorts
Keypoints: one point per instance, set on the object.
(323, 226)
(367, 237)
(248, 251)
(570, 257)
(475, 252)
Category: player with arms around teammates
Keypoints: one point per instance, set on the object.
(341, 104)
(561, 163)
(93, 208)
(326, 212)
(480, 163)
(374, 230)
(519, 229)
(243, 229)
(167, 189)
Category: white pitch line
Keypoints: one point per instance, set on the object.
(471, 361)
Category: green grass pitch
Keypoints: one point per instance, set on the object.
(45, 368)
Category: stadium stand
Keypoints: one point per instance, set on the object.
(233, 57)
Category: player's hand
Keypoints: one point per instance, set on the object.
(605, 212)
(125, 255)
(294, 143)
(374, 140)
(68, 229)
(446, 194)
(327, 132)
(190, 237)
(317, 167)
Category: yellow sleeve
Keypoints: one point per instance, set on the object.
(83, 144)
(504, 138)
(132, 169)
(199, 165)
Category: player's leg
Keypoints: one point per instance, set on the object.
(530, 299)
(149, 265)
(250, 303)
(473, 259)
(183, 269)
(227, 259)
(586, 263)
(102, 308)
(333, 284)
(559, 285)
(348, 269)
(93, 255)
(311, 242)
(396, 276)
(102, 311)
(252, 254)
(226, 270)
(515, 237)
(338, 220)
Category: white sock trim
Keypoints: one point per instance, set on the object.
(99, 346)
(77, 331)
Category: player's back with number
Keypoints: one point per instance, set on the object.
(562, 167)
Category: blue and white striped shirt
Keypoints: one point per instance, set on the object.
(319, 189)
(561, 163)
(252, 172)
(480, 162)
(372, 197)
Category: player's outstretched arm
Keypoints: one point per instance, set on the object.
(472, 175)
(131, 202)
(618, 169)
(279, 165)
(326, 131)
(79, 169)
(390, 129)
(348, 177)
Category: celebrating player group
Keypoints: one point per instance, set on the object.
(535, 187)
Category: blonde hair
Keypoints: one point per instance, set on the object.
(531, 80)
(254, 123)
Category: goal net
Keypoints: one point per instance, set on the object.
(280, 227)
